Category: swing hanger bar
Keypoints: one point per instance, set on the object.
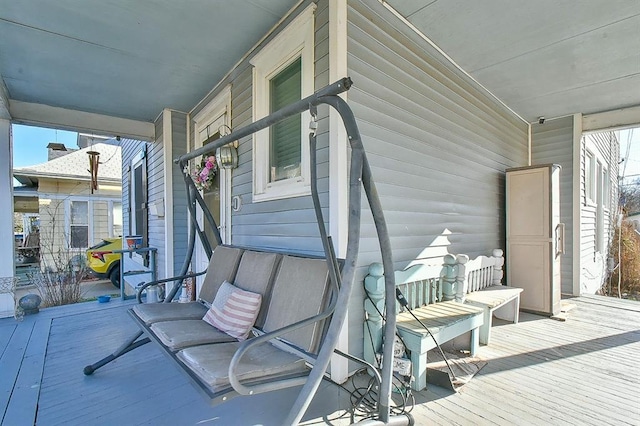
(210, 144)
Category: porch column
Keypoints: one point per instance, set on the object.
(6, 216)
(6, 197)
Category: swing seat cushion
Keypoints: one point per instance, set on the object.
(154, 312)
(177, 335)
(211, 363)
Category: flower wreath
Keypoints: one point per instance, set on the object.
(203, 175)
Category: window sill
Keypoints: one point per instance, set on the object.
(282, 190)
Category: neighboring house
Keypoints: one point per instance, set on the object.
(437, 142)
(588, 196)
(72, 217)
(634, 220)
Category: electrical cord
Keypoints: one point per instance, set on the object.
(364, 397)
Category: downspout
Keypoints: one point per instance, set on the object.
(576, 272)
(529, 144)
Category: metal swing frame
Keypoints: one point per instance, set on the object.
(360, 177)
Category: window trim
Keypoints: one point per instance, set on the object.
(70, 224)
(295, 41)
(139, 160)
(589, 177)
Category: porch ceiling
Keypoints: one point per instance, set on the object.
(542, 58)
(126, 58)
(131, 59)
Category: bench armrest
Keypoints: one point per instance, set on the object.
(166, 280)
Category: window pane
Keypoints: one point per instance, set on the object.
(79, 236)
(285, 145)
(117, 218)
(80, 212)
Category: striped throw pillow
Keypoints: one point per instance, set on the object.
(238, 314)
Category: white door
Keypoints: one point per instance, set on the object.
(211, 123)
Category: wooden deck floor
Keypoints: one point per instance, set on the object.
(585, 371)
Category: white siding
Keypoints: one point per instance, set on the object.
(605, 147)
(552, 142)
(438, 146)
(179, 203)
(155, 192)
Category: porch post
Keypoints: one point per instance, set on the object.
(6, 196)
(6, 216)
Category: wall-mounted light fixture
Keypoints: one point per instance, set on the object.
(227, 156)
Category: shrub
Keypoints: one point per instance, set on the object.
(625, 250)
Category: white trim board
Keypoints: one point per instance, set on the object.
(338, 165)
(79, 121)
(611, 120)
(167, 170)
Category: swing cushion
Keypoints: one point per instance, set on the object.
(236, 314)
(211, 363)
(181, 334)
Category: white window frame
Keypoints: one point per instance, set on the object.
(69, 222)
(295, 41)
(112, 219)
(590, 176)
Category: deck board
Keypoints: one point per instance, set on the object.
(26, 391)
(11, 362)
(540, 372)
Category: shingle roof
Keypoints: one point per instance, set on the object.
(76, 166)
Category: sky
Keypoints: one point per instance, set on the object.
(30, 143)
(631, 165)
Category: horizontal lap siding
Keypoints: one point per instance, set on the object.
(593, 263)
(178, 204)
(438, 147)
(287, 224)
(155, 191)
(552, 142)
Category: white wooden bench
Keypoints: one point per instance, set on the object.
(426, 288)
(479, 282)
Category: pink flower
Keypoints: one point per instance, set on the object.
(209, 165)
(204, 174)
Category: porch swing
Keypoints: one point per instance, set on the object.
(326, 323)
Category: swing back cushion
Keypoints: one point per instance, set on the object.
(222, 267)
(234, 311)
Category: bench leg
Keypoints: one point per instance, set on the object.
(485, 328)
(510, 311)
(419, 366)
(474, 343)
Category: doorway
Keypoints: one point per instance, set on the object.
(212, 123)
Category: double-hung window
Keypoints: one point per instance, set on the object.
(79, 224)
(282, 75)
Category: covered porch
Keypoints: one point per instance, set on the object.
(583, 371)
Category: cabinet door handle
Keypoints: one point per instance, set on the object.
(560, 239)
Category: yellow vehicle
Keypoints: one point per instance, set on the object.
(103, 262)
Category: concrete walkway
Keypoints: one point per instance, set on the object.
(90, 289)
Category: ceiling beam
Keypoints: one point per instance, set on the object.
(79, 121)
(4, 101)
(611, 120)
